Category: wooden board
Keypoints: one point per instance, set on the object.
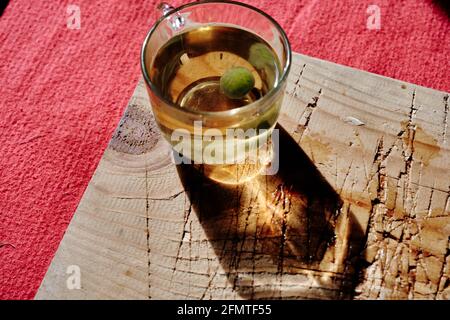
(359, 209)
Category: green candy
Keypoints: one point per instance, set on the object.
(236, 82)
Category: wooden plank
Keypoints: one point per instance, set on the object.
(359, 208)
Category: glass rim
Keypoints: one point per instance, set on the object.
(233, 111)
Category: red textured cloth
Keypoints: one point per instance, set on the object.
(63, 91)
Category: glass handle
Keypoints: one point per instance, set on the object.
(177, 21)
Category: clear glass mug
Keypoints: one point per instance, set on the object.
(222, 156)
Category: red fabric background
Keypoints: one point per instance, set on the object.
(63, 91)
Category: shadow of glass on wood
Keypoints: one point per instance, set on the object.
(280, 236)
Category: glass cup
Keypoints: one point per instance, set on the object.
(183, 59)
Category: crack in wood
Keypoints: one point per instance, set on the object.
(346, 176)
(445, 122)
(394, 236)
(248, 213)
(431, 200)
(187, 213)
(307, 114)
(444, 278)
(208, 286)
(311, 106)
(147, 212)
(283, 197)
(168, 198)
(297, 81)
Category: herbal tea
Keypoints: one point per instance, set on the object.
(188, 68)
(217, 68)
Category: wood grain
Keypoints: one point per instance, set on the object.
(359, 208)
